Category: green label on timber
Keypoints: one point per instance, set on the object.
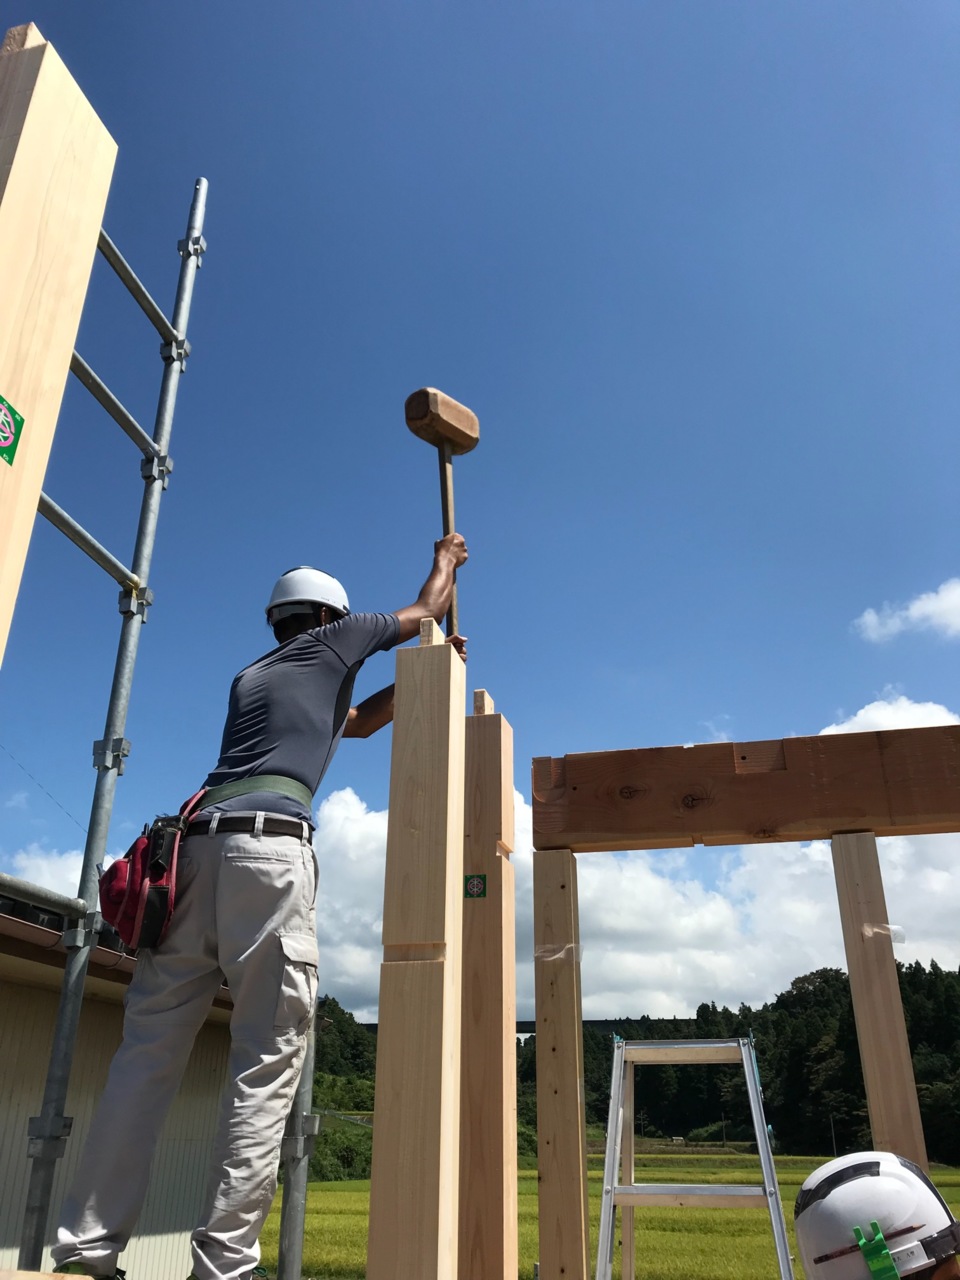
(10, 426)
(474, 886)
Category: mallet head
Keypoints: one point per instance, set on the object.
(440, 420)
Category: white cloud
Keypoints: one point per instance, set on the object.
(937, 611)
(49, 869)
(17, 801)
(351, 843)
(894, 711)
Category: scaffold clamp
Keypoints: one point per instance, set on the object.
(112, 756)
(83, 933)
(193, 247)
(175, 351)
(48, 1138)
(156, 468)
(135, 601)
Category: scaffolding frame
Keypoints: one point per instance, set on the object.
(48, 1132)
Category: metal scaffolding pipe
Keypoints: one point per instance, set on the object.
(295, 1152)
(48, 1130)
(86, 542)
(36, 896)
(136, 288)
(102, 393)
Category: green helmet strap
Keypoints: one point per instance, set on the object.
(876, 1254)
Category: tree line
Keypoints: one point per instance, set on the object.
(807, 1056)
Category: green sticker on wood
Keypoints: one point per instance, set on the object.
(474, 886)
(11, 425)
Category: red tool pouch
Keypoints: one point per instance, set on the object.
(138, 891)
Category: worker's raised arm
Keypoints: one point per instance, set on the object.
(435, 594)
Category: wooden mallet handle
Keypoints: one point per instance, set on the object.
(453, 428)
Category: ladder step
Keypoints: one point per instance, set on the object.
(710, 1195)
(705, 1195)
(684, 1053)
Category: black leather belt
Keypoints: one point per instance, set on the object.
(247, 823)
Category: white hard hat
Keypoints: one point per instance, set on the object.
(305, 586)
(884, 1201)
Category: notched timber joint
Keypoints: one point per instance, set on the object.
(549, 778)
(430, 633)
(482, 703)
(402, 952)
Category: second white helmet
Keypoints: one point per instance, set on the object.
(305, 586)
(854, 1197)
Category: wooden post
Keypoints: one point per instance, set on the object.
(561, 1118)
(56, 162)
(877, 1007)
(488, 1047)
(413, 1189)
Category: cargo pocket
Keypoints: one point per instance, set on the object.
(298, 988)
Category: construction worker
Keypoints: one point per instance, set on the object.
(875, 1216)
(245, 911)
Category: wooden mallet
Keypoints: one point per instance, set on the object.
(452, 427)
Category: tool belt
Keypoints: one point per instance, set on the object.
(138, 891)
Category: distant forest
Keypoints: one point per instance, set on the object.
(806, 1050)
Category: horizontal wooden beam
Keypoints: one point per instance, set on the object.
(895, 782)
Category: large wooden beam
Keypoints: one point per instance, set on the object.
(561, 1119)
(488, 1046)
(413, 1189)
(56, 162)
(896, 782)
(877, 1008)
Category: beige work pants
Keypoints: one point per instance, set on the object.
(245, 911)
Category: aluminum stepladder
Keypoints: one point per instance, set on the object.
(628, 1194)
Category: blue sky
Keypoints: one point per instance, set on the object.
(695, 267)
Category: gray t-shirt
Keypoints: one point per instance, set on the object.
(287, 710)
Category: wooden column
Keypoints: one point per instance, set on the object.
(56, 162)
(877, 1007)
(413, 1190)
(488, 1046)
(561, 1118)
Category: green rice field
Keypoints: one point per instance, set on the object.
(672, 1244)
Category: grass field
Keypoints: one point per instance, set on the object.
(672, 1244)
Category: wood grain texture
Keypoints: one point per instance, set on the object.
(415, 1174)
(56, 162)
(895, 782)
(413, 1181)
(878, 1010)
(488, 1103)
(561, 1119)
(694, 1053)
(423, 893)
